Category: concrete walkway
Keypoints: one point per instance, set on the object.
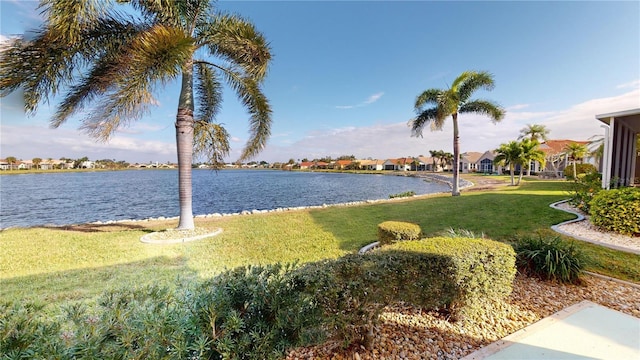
(582, 331)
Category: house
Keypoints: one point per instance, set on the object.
(341, 164)
(485, 164)
(313, 165)
(469, 161)
(556, 156)
(371, 165)
(621, 156)
(401, 164)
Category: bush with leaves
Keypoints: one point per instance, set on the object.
(584, 189)
(617, 210)
(549, 257)
(409, 193)
(392, 231)
(581, 169)
(146, 323)
(258, 312)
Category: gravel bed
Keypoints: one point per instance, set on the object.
(406, 332)
(587, 231)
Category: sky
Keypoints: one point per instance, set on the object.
(345, 75)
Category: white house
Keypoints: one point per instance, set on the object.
(621, 156)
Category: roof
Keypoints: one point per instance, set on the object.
(472, 156)
(630, 117)
(553, 147)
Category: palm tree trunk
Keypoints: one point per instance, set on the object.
(575, 173)
(184, 144)
(520, 177)
(512, 170)
(456, 155)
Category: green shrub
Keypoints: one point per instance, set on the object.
(549, 258)
(580, 169)
(258, 312)
(617, 210)
(403, 194)
(151, 322)
(482, 270)
(584, 189)
(392, 231)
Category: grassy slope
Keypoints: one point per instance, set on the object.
(81, 262)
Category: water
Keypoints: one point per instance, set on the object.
(82, 197)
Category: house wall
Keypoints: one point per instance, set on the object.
(622, 152)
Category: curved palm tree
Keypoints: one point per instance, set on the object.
(530, 152)
(509, 154)
(575, 152)
(113, 62)
(450, 102)
(534, 132)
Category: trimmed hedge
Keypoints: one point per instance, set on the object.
(617, 210)
(392, 231)
(482, 270)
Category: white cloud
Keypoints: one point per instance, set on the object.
(517, 107)
(633, 84)
(477, 133)
(370, 100)
(27, 142)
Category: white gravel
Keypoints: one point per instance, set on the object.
(584, 230)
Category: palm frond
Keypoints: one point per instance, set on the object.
(429, 116)
(484, 107)
(40, 67)
(428, 97)
(154, 56)
(211, 141)
(208, 93)
(234, 39)
(66, 18)
(251, 96)
(473, 81)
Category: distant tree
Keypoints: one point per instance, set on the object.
(304, 160)
(575, 152)
(509, 154)
(346, 157)
(534, 132)
(530, 152)
(435, 154)
(36, 162)
(78, 162)
(11, 160)
(450, 102)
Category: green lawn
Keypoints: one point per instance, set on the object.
(56, 265)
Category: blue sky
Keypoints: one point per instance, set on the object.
(345, 75)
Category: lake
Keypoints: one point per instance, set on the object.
(82, 197)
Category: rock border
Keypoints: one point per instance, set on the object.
(148, 238)
(579, 218)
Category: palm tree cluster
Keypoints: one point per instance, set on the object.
(519, 153)
(444, 158)
(108, 57)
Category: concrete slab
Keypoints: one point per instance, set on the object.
(582, 331)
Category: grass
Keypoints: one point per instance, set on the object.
(80, 262)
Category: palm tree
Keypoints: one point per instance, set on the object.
(575, 152)
(435, 154)
(11, 160)
(509, 154)
(534, 132)
(36, 162)
(530, 152)
(114, 62)
(452, 101)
